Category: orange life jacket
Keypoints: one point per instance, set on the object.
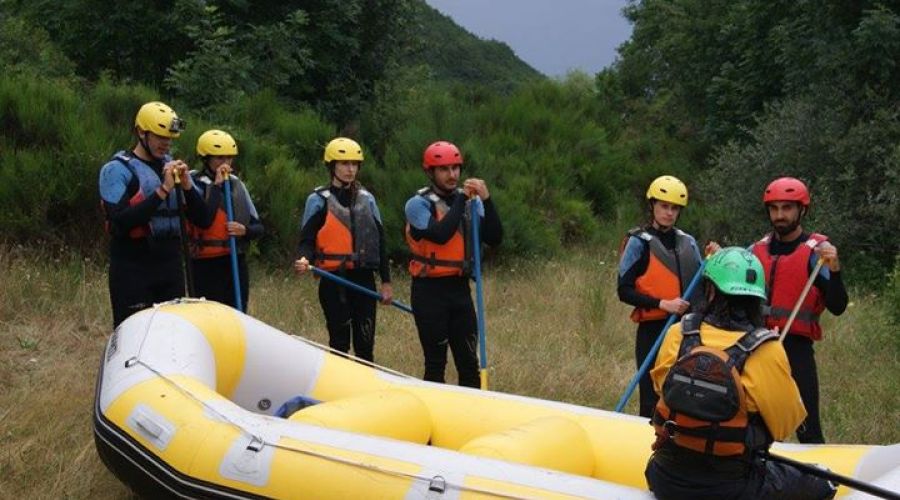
(349, 238)
(668, 271)
(431, 260)
(214, 240)
(786, 275)
(703, 406)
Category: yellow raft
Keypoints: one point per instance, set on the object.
(187, 394)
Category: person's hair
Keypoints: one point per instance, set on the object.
(734, 308)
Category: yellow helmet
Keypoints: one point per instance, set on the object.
(216, 143)
(159, 119)
(668, 188)
(343, 149)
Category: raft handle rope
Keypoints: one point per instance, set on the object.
(353, 463)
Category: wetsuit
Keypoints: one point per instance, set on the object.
(442, 306)
(145, 260)
(349, 315)
(633, 265)
(798, 343)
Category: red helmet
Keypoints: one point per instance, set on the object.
(441, 153)
(787, 189)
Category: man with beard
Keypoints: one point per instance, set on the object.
(438, 232)
(789, 255)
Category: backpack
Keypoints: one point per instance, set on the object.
(703, 406)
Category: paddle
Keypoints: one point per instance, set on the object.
(361, 289)
(235, 277)
(183, 235)
(831, 476)
(479, 299)
(652, 354)
(806, 288)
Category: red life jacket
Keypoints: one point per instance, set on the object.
(214, 240)
(786, 275)
(349, 238)
(703, 406)
(431, 260)
(668, 272)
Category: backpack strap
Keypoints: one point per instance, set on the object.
(690, 333)
(738, 353)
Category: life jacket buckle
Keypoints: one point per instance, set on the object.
(669, 426)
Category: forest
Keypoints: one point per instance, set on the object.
(725, 95)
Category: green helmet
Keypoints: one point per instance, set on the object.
(736, 271)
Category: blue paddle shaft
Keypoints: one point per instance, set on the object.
(232, 244)
(479, 293)
(361, 289)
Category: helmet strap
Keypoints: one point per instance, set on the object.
(142, 140)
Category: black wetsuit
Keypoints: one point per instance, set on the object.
(349, 315)
(442, 307)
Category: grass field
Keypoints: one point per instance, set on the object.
(555, 331)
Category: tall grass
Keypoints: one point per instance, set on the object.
(555, 331)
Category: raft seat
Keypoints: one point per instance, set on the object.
(554, 442)
(394, 413)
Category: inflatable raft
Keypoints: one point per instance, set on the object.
(188, 392)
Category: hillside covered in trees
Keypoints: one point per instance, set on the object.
(726, 95)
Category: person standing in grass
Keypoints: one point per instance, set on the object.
(657, 262)
(789, 256)
(142, 214)
(211, 250)
(438, 232)
(342, 233)
(727, 392)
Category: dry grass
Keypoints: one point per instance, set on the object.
(555, 330)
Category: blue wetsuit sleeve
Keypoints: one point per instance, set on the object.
(255, 228)
(114, 182)
(632, 265)
(423, 225)
(373, 205)
(312, 221)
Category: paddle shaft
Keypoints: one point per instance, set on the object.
(653, 350)
(803, 294)
(835, 478)
(479, 296)
(183, 236)
(361, 289)
(235, 275)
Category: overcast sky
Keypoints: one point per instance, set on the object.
(553, 36)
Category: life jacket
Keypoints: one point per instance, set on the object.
(786, 275)
(703, 406)
(431, 260)
(668, 271)
(349, 237)
(164, 222)
(214, 240)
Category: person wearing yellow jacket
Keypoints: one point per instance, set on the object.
(210, 249)
(342, 233)
(704, 447)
